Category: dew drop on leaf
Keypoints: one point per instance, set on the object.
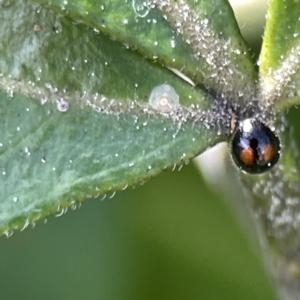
(62, 105)
(141, 8)
(164, 98)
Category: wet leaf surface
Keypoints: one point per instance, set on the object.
(202, 40)
(51, 159)
(75, 118)
(75, 79)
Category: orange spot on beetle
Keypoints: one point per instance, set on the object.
(247, 156)
(268, 152)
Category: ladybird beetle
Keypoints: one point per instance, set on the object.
(255, 147)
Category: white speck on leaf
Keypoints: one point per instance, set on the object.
(164, 98)
(62, 105)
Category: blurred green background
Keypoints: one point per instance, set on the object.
(172, 238)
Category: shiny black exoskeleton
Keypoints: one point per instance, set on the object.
(255, 147)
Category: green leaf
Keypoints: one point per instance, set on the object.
(50, 160)
(109, 137)
(280, 55)
(211, 54)
(63, 57)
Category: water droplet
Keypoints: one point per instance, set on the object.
(164, 98)
(43, 160)
(141, 8)
(15, 199)
(62, 105)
